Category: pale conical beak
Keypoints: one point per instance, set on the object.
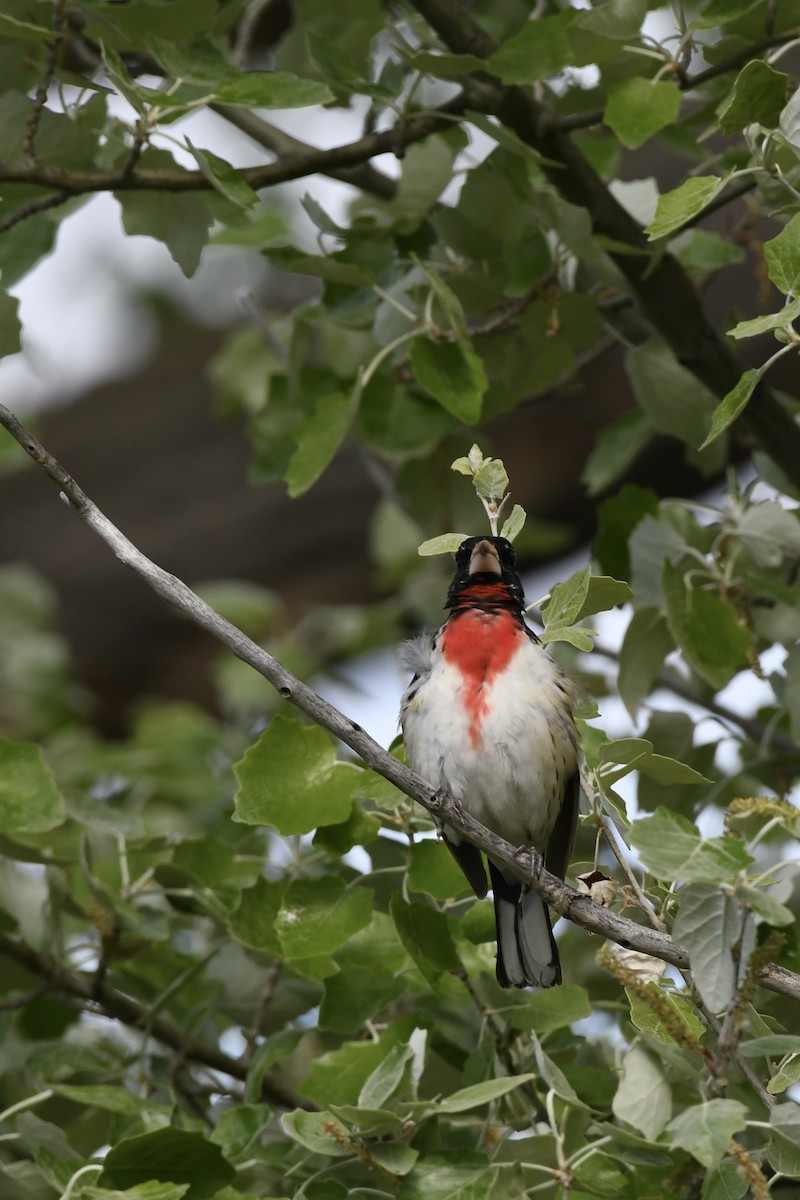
(485, 558)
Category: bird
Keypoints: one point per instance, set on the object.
(488, 718)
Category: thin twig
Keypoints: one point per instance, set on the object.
(32, 208)
(571, 122)
(522, 863)
(43, 88)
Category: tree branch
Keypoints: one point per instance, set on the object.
(308, 161)
(522, 863)
(363, 176)
(663, 289)
(112, 1003)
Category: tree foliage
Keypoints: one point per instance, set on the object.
(233, 966)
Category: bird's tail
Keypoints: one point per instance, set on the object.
(527, 955)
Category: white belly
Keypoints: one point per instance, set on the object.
(509, 769)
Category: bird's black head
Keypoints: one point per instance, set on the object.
(485, 575)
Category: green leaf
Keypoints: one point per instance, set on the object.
(769, 534)
(445, 66)
(766, 906)
(709, 924)
(290, 779)
(112, 1099)
(705, 629)
(453, 374)
(676, 402)
(222, 176)
(725, 1181)
(427, 170)
(545, 1011)
(238, 1128)
(773, 1045)
(433, 870)
(643, 1097)
(319, 915)
(336, 64)
(359, 829)
(671, 848)
(337, 1076)
(181, 221)
(464, 1176)
(732, 405)
(789, 120)
(581, 639)
(514, 523)
(172, 1156)
(785, 1077)
(393, 1070)
(539, 49)
(619, 517)
(318, 439)
(758, 96)
(355, 995)
(491, 479)
(252, 922)
(319, 1132)
(646, 644)
(152, 1190)
(604, 593)
(677, 207)
(10, 327)
(445, 543)
(758, 325)
(426, 936)
(618, 19)
(30, 801)
(566, 600)
(783, 1153)
(644, 1018)
(394, 1157)
(638, 108)
(703, 251)
(482, 1093)
(272, 89)
(449, 301)
(614, 450)
(705, 1130)
(783, 258)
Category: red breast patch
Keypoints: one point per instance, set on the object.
(480, 645)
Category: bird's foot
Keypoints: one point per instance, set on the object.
(530, 857)
(442, 797)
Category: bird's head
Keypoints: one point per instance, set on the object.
(485, 574)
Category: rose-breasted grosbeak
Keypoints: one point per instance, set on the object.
(488, 717)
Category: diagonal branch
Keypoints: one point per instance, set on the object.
(663, 289)
(522, 863)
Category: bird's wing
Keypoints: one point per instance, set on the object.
(559, 846)
(470, 860)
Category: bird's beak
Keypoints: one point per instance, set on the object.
(484, 558)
